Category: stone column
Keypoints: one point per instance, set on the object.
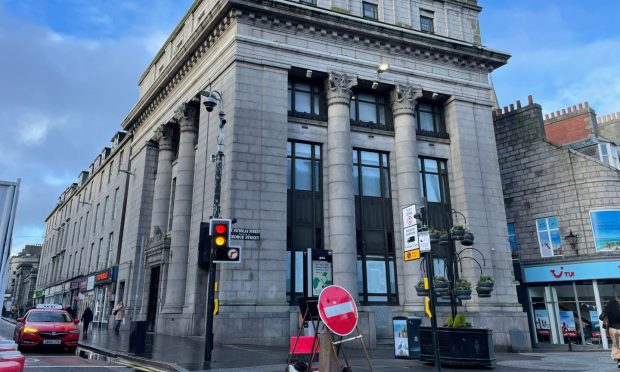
(186, 115)
(161, 197)
(403, 99)
(339, 166)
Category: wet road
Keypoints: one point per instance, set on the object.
(59, 360)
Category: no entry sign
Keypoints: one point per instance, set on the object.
(337, 310)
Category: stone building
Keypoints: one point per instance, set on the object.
(339, 114)
(563, 214)
(24, 268)
(80, 256)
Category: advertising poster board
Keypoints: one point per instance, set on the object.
(401, 339)
(567, 320)
(322, 275)
(596, 323)
(543, 325)
(606, 229)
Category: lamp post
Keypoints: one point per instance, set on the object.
(211, 98)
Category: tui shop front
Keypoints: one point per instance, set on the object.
(565, 300)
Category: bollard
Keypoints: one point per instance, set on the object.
(570, 344)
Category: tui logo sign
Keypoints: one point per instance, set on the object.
(567, 274)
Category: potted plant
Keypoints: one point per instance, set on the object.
(468, 238)
(444, 238)
(463, 289)
(434, 236)
(440, 285)
(419, 288)
(457, 232)
(485, 286)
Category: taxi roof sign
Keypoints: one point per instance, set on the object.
(50, 306)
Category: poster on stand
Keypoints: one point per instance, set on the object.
(567, 320)
(401, 339)
(543, 325)
(596, 323)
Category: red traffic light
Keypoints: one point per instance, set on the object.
(220, 229)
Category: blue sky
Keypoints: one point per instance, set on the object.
(69, 73)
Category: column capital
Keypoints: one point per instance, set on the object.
(187, 116)
(404, 99)
(163, 136)
(338, 87)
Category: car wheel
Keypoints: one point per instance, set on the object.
(72, 349)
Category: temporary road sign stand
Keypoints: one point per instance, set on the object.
(309, 312)
(338, 311)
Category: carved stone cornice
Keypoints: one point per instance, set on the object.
(338, 87)
(404, 99)
(187, 116)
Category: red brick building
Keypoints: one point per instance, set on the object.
(571, 124)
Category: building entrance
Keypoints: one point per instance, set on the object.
(153, 294)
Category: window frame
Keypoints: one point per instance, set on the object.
(511, 228)
(431, 19)
(373, 8)
(354, 109)
(548, 231)
(317, 92)
(439, 122)
(390, 297)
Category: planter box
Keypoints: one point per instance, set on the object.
(459, 346)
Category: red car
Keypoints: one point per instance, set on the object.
(47, 326)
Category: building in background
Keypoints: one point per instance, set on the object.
(83, 233)
(339, 115)
(563, 214)
(9, 193)
(24, 268)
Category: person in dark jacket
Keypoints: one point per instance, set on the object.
(69, 310)
(87, 317)
(612, 314)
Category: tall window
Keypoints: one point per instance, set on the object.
(110, 171)
(305, 99)
(120, 162)
(512, 240)
(115, 203)
(73, 235)
(95, 220)
(85, 225)
(80, 262)
(426, 21)
(110, 241)
(376, 272)
(304, 213)
(98, 253)
(101, 179)
(549, 238)
(370, 110)
(430, 120)
(171, 209)
(105, 208)
(370, 10)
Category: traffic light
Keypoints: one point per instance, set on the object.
(204, 245)
(223, 252)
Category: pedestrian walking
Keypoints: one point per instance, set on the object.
(14, 311)
(119, 314)
(87, 317)
(69, 310)
(611, 316)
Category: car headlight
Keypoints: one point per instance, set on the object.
(75, 331)
(30, 330)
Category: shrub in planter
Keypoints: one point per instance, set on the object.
(463, 289)
(459, 321)
(468, 239)
(419, 288)
(485, 286)
(444, 238)
(457, 232)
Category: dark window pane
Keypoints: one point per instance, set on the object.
(386, 182)
(353, 110)
(356, 185)
(302, 175)
(426, 121)
(288, 173)
(426, 24)
(371, 184)
(370, 11)
(317, 177)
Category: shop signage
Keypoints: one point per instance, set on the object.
(337, 310)
(245, 234)
(75, 284)
(103, 277)
(90, 284)
(572, 271)
(38, 294)
(83, 284)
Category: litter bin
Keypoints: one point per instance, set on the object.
(137, 336)
(406, 337)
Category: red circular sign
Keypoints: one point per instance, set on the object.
(337, 310)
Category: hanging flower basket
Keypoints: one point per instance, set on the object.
(419, 288)
(457, 232)
(463, 289)
(444, 238)
(485, 286)
(434, 237)
(468, 239)
(440, 285)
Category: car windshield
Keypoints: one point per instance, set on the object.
(49, 317)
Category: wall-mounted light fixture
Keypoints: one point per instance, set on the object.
(572, 240)
(383, 68)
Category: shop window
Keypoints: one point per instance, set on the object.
(374, 227)
(549, 239)
(512, 240)
(305, 99)
(431, 120)
(370, 110)
(370, 10)
(304, 212)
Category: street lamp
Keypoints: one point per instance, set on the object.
(572, 240)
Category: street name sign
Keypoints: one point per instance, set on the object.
(410, 228)
(337, 310)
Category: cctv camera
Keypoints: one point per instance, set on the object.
(210, 102)
(435, 95)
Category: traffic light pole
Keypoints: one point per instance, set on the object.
(431, 291)
(218, 160)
